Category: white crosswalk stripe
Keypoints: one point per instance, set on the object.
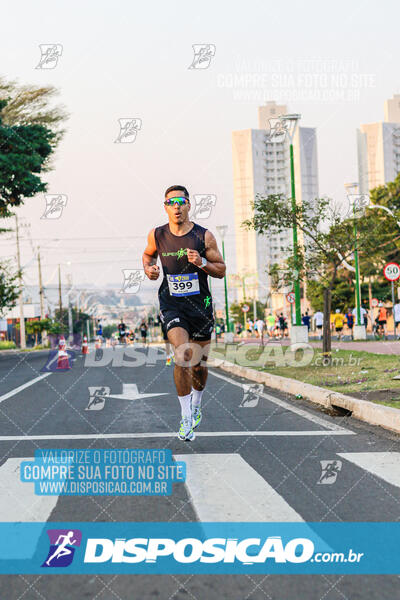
(221, 487)
(19, 504)
(224, 487)
(18, 501)
(385, 465)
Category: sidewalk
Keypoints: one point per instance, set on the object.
(373, 346)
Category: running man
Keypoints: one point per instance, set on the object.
(382, 319)
(338, 321)
(188, 254)
(271, 321)
(143, 332)
(396, 317)
(62, 549)
(260, 330)
(122, 332)
(318, 319)
(350, 321)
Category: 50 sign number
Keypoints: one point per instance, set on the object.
(391, 271)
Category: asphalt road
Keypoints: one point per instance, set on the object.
(247, 435)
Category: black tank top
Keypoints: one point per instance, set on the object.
(183, 283)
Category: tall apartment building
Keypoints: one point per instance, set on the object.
(261, 166)
(378, 148)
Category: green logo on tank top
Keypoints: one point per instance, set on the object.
(181, 252)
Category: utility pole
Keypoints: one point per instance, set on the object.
(59, 291)
(41, 294)
(40, 287)
(21, 299)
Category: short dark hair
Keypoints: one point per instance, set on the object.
(178, 188)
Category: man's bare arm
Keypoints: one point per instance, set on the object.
(150, 257)
(215, 263)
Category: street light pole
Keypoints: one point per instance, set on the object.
(222, 231)
(357, 273)
(354, 187)
(20, 297)
(299, 332)
(295, 242)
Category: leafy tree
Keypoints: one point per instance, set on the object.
(9, 288)
(34, 328)
(56, 328)
(108, 330)
(32, 105)
(327, 240)
(78, 320)
(23, 153)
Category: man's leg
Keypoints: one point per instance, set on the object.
(200, 371)
(199, 379)
(179, 338)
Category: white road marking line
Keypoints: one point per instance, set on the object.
(224, 487)
(385, 465)
(295, 409)
(23, 387)
(167, 434)
(130, 392)
(19, 504)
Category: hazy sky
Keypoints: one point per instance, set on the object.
(333, 63)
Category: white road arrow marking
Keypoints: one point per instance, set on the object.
(130, 392)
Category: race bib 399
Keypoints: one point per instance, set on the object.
(183, 285)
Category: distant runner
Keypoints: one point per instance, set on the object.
(122, 332)
(338, 321)
(143, 332)
(188, 254)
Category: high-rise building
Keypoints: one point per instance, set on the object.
(378, 148)
(392, 109)
(261, 166)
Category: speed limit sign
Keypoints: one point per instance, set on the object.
(290, 297)
(391, 271)
(245, 308)
(374, 302)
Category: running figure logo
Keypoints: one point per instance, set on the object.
(251, 395)
(181, 253)
(330, 470)
(357, 205)
(203, 205)
(132, 280)
(55, 203)
(62, 547)
(50, 53)
(277, 131)
(203, 54)
(128, 129)
(97, 397)
(207, 301)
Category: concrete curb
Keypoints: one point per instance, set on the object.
(371, 413)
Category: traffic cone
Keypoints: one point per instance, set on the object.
(62, 359)
(85, 348)
(97, 344)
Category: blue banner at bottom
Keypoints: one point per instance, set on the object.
(212, 548)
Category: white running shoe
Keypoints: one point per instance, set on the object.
(186, 433)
